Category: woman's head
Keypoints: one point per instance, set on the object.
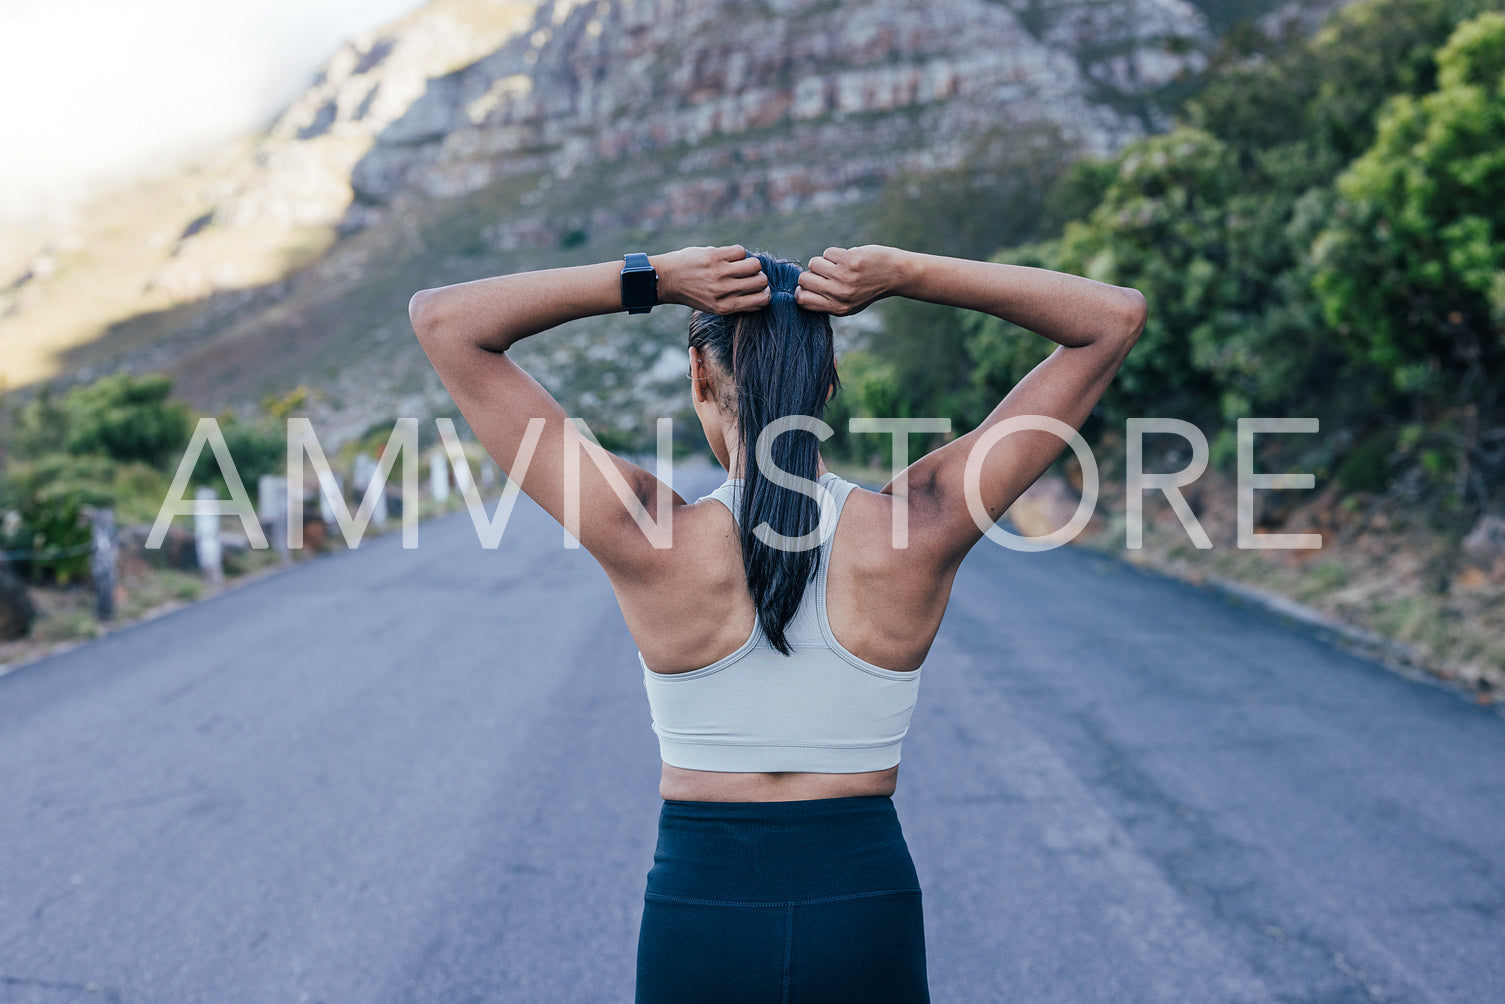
(752, 369)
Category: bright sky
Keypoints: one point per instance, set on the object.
(103, 89)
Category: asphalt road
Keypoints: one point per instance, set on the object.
(428, 775)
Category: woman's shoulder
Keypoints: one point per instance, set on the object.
(887, 530)
(885, 594)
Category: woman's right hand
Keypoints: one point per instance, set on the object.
(844, 281)
(720, 280)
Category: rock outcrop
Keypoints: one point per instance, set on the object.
(493, 131)
(671, 112)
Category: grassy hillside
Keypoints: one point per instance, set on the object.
(151, 277)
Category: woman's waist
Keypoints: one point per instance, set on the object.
(770, 851)
(687, 785)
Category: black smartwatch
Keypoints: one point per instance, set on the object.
(639, 284)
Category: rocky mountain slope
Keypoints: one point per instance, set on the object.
(477, 135)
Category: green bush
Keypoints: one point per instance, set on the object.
(51, 543)
(1012, 186)
(869, 388)
(1367, 467)
(40, 426)
(127, 418)
(1323, 236)
(103, 444)
(256, 448)
(1412, 271)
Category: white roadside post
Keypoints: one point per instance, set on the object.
(271, 512)
(439, 476)
(206, 535)
(103, 563)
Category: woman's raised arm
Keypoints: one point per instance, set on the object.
(1095, 325)
(495, 313)
(466, 330)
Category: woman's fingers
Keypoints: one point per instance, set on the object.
(750, 301)
(811, 279)
(829, 290)
(820, 266)
(828, 263)
(816, 302)
(744, 267)
(751, 284)
(825, 305)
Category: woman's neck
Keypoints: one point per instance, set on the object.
(734, 464)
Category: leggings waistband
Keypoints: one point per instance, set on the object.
(780, 852)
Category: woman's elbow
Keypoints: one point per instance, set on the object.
(422, 314)
(1135, 312)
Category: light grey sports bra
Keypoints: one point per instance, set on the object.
(821, 709)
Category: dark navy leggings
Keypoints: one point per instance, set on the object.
(782, 903)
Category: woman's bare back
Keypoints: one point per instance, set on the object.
(884, 607)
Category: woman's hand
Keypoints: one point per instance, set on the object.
(716, 280)
(844, 281)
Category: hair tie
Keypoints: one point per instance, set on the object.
(787, 294)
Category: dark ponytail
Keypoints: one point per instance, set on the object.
(782, 362)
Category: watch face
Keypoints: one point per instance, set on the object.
(639, 289)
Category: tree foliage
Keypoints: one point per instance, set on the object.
(123, 417)
(101, 444)
(1323, 235)
(1229, 325)
(256, 447)
(1412, 270)
(1012, 185)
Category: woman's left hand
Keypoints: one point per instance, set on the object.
(846, 281)
(720, 280)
